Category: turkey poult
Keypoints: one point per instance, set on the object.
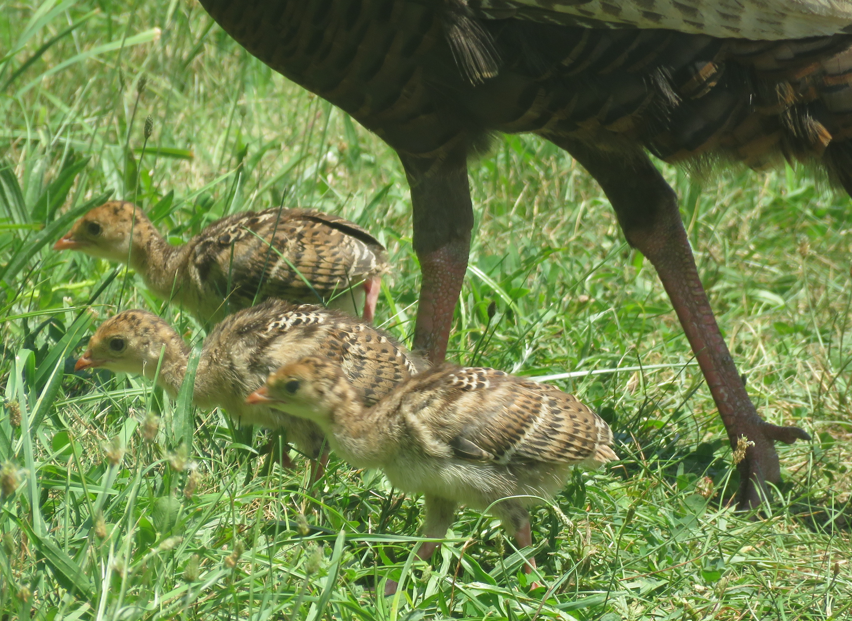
(753, 81)
(458, 435)
(241, 259)
(242, 350)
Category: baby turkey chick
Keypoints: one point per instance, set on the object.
(241, 351)
(241, 259)
(457, 435)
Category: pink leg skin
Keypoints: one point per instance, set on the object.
(671, 255)
(424, 553)
(390, 587)
(443, 274)
(372, 288)
(443, 220)
(524, 539)
(648, 213)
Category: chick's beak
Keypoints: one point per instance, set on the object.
(260, 397)
(86, 362)
(67, 242)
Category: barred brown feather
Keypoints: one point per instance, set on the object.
(749, 19)
(242, 350)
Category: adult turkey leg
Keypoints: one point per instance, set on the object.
(443, 219)
(648, 213)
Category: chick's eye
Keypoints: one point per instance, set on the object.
(116, 344)
(93, 228)
(292, 386)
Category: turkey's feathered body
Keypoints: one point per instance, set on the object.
(388, 63)
(458, 435)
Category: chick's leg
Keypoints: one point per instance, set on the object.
(439, 516)
(318, 466)
(516, 521)
(524, 538)
(372, 288)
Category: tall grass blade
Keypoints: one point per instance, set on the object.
(46, 46)
(331, 578)
(67, 573)
(11, 197)
(184, 410)
(55, 194)
(144, 37)
(48, 234)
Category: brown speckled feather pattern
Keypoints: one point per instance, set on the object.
(401, 69)
(242, 350)
(462, 435)
(238, 260)
(246, 347)
(272, 253)
(493, 417)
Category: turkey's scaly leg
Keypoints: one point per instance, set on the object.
(647, 211)
(443, 219)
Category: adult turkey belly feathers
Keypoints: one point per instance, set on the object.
(754, 81)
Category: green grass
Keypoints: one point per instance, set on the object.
(103, 518)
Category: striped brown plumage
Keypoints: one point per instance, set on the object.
(749, 19)
(752, 81)
(471, 436)
(242, 350)
(679, 95)
(300, 255)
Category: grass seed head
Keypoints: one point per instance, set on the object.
(179, 459)
(705, 487)
(192, 571)
(314, 560)
(100, 527)
(14, 413)
(234, 557)
(150, 427)
(191, 483)
(740, 451)
(114, 450)
(302, 525)
(169, 544)
(10, 478)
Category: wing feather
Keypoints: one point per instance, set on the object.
(739, 19)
